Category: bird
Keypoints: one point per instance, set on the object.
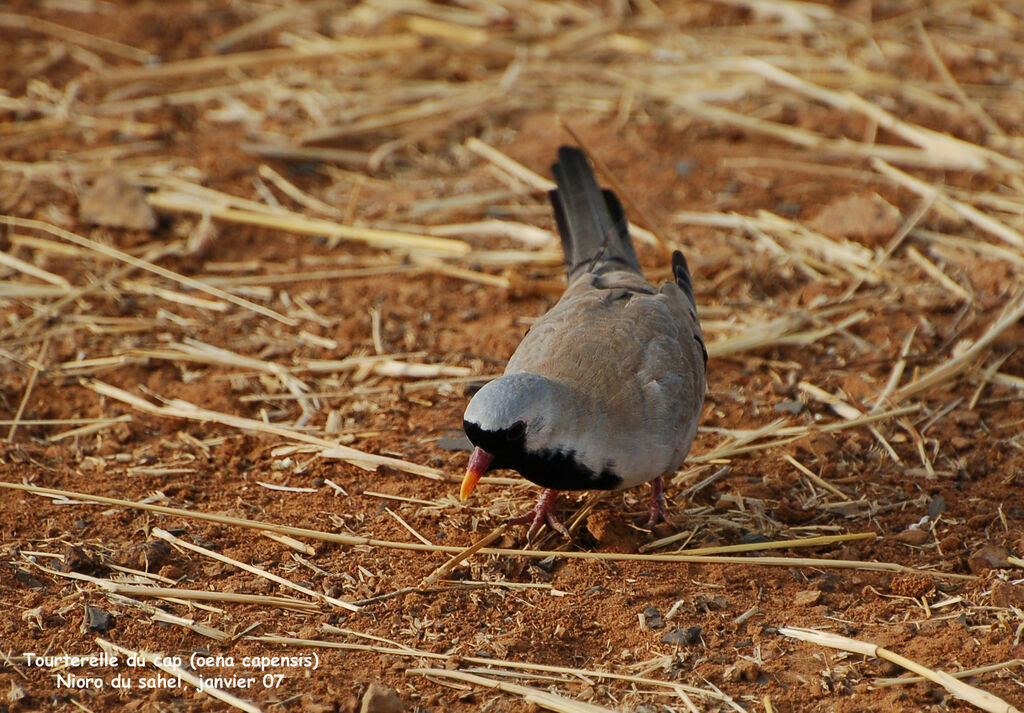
(605, 390)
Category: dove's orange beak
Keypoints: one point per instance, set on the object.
(479, 462)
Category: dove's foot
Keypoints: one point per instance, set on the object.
(542, 513)
(656, 512)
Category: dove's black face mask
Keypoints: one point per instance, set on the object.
(547, 468)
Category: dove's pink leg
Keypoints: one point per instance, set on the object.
(541, 513)
(656, 512)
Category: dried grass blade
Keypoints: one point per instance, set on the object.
(508, 165)
(1011, 314)
(933, 271)
(178, 542)
(982, 699)
(816, 479)
(69, 34)
(90, 428)
(239, 60)
(504, 663)
(33, 271)
(810, 140)
(970, 213)
(145, 265)
(36, 368)
(818, 541)
(964, 153)
(202, 595)
(967, 673)
(443, 571)
(417, 546)
(160, 662)
(183, 409)
(298, 223)
(542, 699)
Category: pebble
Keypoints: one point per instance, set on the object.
(685, 167)
(682, 637)
(1005, 595)
(114, 202)
(97, 619)
(547, 564)
(381, 699)
(807, 597)
(913, 536)
(651, 619)
(866, 218)
(988, 557)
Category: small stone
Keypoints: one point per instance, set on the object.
(868, 219)
(950, 542)
(822, 445)
(981, 520)
(97, 619)
(381, 699)
(966, 418)
(171, 571)
(1005, 595)
(961, 443)
(547, 564)
(79, 560)
(26, 578)
(807, 597)
(651, 619)
(685, 167)
(682, 637)
(988, 557)
(789, 209)
(114, 202)
(607, 529)
(936, 507)
(791, 515)
(913, 536)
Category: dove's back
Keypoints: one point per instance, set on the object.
(629, 359)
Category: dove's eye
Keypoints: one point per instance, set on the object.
(516, 431)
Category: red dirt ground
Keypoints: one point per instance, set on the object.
(583, 614)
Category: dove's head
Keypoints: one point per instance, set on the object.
(509, 418)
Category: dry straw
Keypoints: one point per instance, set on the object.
(423, 181)
(462, 552)
(981, 699)
(162, 662)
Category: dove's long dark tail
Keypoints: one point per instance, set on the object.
(590, 221)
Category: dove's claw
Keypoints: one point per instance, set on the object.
(656, 512)
(540, 514)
